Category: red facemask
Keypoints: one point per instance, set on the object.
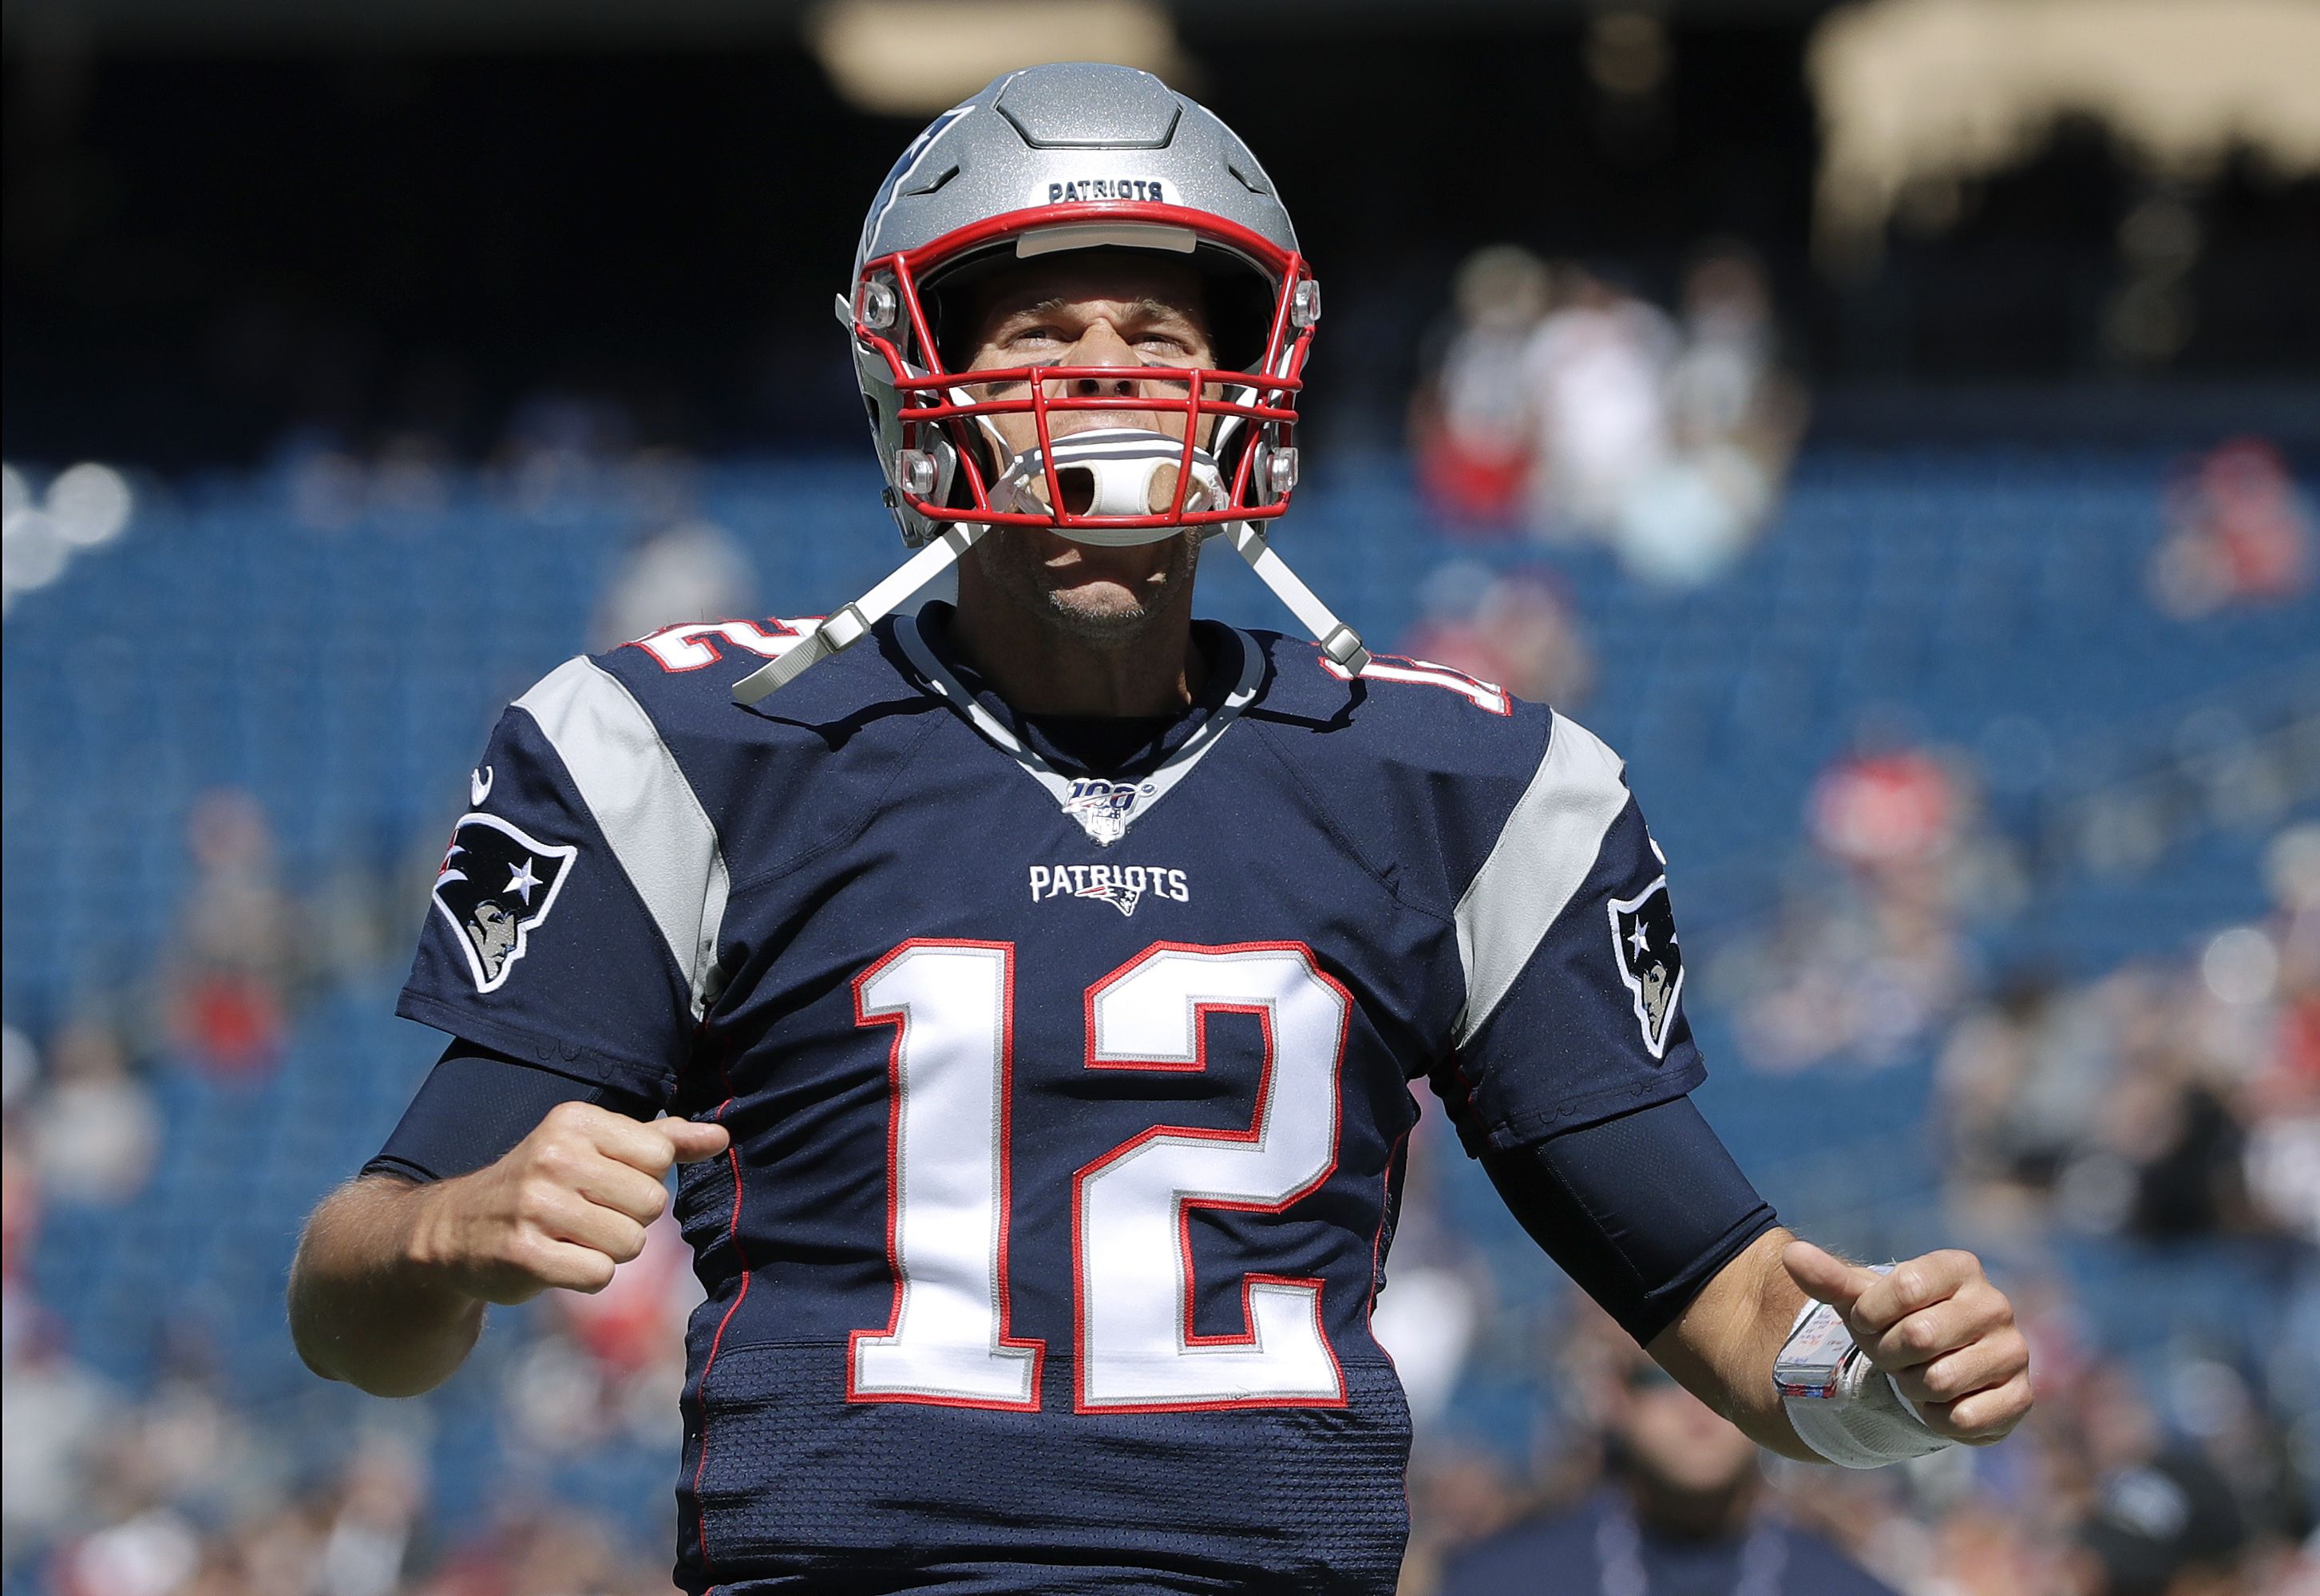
(1247, 472)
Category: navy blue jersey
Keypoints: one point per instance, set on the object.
(1067, 1111)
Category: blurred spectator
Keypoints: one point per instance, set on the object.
(187, 1443)
(20, 1181)
(410, 479)
(2169, 1099)
(1513, 630)
(1884, 809)
(1596, 370)
(92, 1128)
(1862, 965)
(58, 1416)
(1733, 418)
(325, 485)
(1670, 443)
(552, 1552)
(610, 1366)
(634, 1322)
(1844, 976)
(2180, 1147)
(2239, 532)
(2018, 1079)
(1437, 1292)
(557, 448)
(370, 1535)
(1471, 425)
(2282, 1096)
(1685, 1511)
(1726, 388)
(2166, 1528)
(20, 1064)
(152, 1554)
(694, 570)
(240, 942)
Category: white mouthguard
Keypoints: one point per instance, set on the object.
(1122, 463)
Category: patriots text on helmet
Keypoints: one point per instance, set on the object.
(1148, 189)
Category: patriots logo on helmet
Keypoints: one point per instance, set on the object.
(498, 883)
(1643, 940)
(901, 169)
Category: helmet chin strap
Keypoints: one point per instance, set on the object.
(1122, 462)
(844, 627)
(1340, 643)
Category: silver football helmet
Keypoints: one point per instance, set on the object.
(1065, 157)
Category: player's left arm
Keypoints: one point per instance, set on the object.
(1934, 1325)
(1568, 1074)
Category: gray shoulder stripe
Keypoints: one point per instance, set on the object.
(650, 815)
(1544, 855)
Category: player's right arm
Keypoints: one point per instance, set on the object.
(392, 1276)
(571, 943)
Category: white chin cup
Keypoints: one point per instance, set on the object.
(1121, 464)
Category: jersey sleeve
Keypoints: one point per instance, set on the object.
(1574, 974)
(575, 917)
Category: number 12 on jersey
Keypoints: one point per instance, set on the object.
(950, 1075)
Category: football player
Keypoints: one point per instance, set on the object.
(1030, 992)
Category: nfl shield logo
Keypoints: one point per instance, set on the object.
(1102, 808)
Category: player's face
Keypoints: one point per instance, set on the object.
(1680, 1442)
(1138, 318)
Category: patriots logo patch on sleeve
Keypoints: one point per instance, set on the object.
(498, 883)
(1643, 940)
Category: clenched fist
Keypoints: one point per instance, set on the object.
(1937, 1326)
(564, 1208)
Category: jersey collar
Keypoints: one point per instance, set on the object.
(1105, 809)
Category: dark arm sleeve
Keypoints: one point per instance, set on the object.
(477, 1104)
(1641, 1210)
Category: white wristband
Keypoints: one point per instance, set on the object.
(1857, 1418)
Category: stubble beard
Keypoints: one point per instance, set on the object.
(1109, 621)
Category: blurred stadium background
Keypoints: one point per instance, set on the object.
(1894, 427)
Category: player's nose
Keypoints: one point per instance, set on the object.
(1102, 345)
